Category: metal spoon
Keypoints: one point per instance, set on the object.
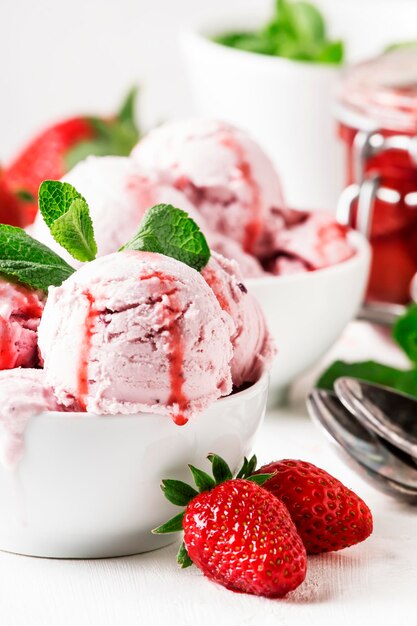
(390, 471)
(390, 414)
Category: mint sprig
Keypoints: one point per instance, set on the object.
(66, 213)
(28, 261)
(404, 380)
(181, 494)
(170, 231)
(296, 31)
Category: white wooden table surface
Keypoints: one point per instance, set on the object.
(373, 583)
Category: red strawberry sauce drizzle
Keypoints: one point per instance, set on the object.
(91, 315)
(216, 286)
(30, 308)
(253, 227)
(175, 350)
(7, 360)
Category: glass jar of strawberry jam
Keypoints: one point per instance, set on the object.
(377, 120)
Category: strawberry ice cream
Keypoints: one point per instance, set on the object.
(253, 348)
(118, 194)
(136, 331)
(309, 241)
(22, 395)
(223, 172)
(20, 312)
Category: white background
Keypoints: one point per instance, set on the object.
(58, 58)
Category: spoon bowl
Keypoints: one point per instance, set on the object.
(391, 471)
(388, 413)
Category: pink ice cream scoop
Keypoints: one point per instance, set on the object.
(253, 347)
(309, 241)
(136, 331)
(249, 266)
(118, 194)
(223, 172)
(20, 312)
(23, 394)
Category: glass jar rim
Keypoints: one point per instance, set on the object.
(381, 92)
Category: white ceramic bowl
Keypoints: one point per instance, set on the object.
(306, 313)
(89, 486)
(286, 105)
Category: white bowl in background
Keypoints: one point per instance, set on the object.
(88, 486)
(307, 312)
(285, 105)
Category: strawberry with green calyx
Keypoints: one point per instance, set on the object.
(328, 516)
(235, 531)
(56, 150)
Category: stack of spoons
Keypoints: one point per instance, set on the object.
(374, 428)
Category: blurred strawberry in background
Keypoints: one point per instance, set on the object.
(56, 150)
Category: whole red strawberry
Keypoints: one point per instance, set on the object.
(56, 150)
(237, 533)
(328, 515)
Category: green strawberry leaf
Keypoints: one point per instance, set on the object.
(203, 481)
(251, 465)
(170, 231)
(259, 479)
(25, 195)
(66, 213)
(178, 492)
(30, 262)
(115, 135)
(174, 525)
(405, 333)
(126, 113)
(221, 470)
(182, 557)
(242, 473)
(373, 372)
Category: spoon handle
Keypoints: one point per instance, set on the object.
(384, 314)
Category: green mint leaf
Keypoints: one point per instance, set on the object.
(66, 213)
(304, 21)
(182, 557)
(203, 481)
(331, 52)
(259, 479)
(55, 198)
(297, 31)
(74, 231)
(178, 492)
(167, 230)
(174, 525)
(30, 262)
(373, 372)
(405, 332)
(401, 44)
(221, 470)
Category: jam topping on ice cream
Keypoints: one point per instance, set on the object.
(20, 312)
